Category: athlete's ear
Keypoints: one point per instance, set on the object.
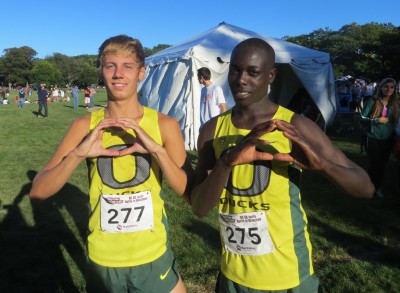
(272, 75)
(142, 72)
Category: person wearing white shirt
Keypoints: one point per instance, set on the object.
(212, 99)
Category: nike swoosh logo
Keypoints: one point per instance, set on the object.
(162, 277)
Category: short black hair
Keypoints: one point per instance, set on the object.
(204, 72)
(259, 44)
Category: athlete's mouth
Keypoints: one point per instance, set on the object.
(241, 93)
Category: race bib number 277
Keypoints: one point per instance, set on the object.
(126, 213)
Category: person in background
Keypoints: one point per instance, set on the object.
(28, 93)
(356, 97)
(249, 165)
(87, 97)
(380, 113)
(212, 99)
(21, 97)
(91, 94)
(367, 92)
(68, 94)
(42, 100)
(55, 94)
(75, 95)
(62, 95)
(129, 149)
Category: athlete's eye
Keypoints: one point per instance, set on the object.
(109, 66)
(254, 72)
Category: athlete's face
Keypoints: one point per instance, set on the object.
(250, 74)
(121, 76)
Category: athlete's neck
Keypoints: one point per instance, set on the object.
(119, 109)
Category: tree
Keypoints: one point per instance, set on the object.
(65, 65)
(16, 65)
(155, 49)
(369, 50)
(86, 73)
(45, 72)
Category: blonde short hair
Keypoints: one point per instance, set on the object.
(121, 44)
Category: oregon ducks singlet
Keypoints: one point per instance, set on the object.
(263, 226)
(128, 225)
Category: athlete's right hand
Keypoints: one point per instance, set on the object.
(245, 151)
(91, 146)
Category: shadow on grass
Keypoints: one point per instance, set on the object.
(205, 231)
(367, 230)
(359, 247)
(72, 106)
(33, 257)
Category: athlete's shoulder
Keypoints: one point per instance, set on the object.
(81, 123)
(163, 118)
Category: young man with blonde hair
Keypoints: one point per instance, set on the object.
(128, 149)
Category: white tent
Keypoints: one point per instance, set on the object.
(171, 84)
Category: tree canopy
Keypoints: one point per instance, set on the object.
(16, 65)
(367, 51)
(45, 72)
(19, 66)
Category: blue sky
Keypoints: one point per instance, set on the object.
(79, 27)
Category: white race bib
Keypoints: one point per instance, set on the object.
(126, 213)
(246, 233)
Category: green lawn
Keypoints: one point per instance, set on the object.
(42, 244)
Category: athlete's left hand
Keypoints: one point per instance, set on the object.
(302, 153)
(144, 143)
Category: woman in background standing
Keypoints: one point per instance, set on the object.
(382, 113)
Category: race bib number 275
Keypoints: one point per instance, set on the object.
(246, 233)
(126, 213)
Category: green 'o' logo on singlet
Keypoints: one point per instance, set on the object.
(106, 172)
(260, 181)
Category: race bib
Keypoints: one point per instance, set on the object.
(126, 213)
(246, 233)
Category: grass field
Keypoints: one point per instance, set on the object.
(42, 244)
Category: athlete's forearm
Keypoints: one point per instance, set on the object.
(177, 177)
(353, 179)
(49, 181)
